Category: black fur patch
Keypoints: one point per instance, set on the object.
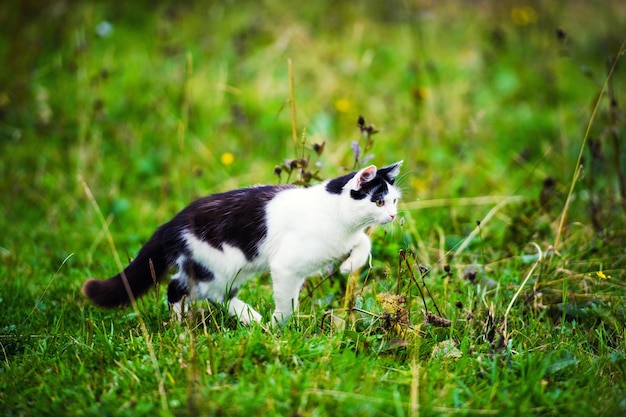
(377, 188)
(335, 186)
(235, 217)
(197, 272)
(176, 291)
(384, 173)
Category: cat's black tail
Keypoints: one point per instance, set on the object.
(141, 274)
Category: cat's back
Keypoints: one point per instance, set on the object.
(237, 217)
(301, 204)
(305, 212)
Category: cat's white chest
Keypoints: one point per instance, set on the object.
(306, 229)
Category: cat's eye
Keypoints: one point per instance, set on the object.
(380, 203)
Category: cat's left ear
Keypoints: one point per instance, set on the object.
(391, 172)
(365, 175)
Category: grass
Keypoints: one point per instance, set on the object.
(112, 118)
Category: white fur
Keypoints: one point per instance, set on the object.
(306, 230)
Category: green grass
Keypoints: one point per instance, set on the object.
(105, 136)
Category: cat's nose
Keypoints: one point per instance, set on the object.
(393, 216)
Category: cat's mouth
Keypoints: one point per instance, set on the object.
(389, 218)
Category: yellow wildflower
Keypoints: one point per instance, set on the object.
(227, 158)
(343, 105)
(522, 16)
(602, 275)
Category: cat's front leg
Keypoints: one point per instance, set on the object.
(243, 311)
(359, 254)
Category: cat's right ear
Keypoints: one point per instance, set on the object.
(365, 175)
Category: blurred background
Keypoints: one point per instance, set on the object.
(508, 116)
(149, 105)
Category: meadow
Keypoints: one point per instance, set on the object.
(499, 290)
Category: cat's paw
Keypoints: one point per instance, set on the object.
(249, 317)
(352, 264)
(244, 313)
(346, 267)
(177, 311)
(279, 320)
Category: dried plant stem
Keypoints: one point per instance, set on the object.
(43, 294)
(410, 269)
(613, 132)
(292, 105)
(407, 261)
(522, 285)
(348, 301)
(185, 105)
(462, 201)
(578, 168)
(414, 405)
(144, 330)
(477, 229)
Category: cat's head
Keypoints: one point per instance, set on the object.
(370, 194)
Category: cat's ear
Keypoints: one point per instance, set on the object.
(391, 172)
(365, 175)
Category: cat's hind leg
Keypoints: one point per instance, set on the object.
(177, 294)
(217, 295)
(187, 284)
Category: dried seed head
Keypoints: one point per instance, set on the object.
(436, 321)
(368, 130)
(319, 148)
(471, 275)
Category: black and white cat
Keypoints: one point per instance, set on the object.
(219, 241)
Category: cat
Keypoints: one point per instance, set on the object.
(217, 242)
